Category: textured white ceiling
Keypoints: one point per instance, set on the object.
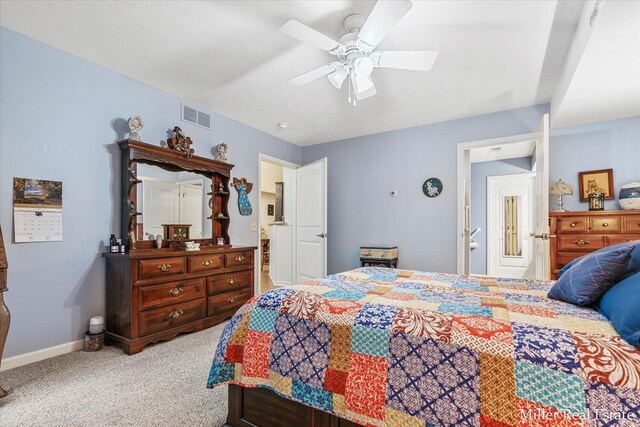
(228, 56)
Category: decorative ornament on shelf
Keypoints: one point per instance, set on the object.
(135, 126)
(222, 149)
(596, 201)
(432, 187)
(243, 188)
(560, 189)
(629, 196)
(180, 142)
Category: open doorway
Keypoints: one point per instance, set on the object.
(276, 222)
(503, 227)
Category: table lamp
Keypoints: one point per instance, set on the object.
(560, 189)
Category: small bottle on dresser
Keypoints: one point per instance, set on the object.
(120, 246)
(113, 244)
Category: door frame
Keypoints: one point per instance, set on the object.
(258, 258)
(464, 191)
(531, 199)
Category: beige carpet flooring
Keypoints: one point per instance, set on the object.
(164, 385)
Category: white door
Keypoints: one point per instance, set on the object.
(160, 205)
(510, 220)
(191, 204)
(541, 234)
(311, 221)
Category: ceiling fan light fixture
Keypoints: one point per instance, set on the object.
(338, 76)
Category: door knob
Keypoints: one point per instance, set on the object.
(322, 235)
(543, 236)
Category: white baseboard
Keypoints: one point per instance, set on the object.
(38, 355)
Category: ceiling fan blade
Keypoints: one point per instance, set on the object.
(367, 93)
(418, 60)
(384, 16)
(312, 75)
(308, 35)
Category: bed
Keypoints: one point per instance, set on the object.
(385, 347)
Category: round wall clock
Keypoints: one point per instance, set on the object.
(432, 187)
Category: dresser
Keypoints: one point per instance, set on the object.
(155, 294)
(574, 234)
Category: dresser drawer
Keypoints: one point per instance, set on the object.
(579, 242)
(234, 259)
(205, 262)
(161, 267)
(633, 223)
(614, 239)
(161, 319)
(606, 225)
(574, 224)
(229, 301)
(565, 258)
(153, 296)
(228, 282)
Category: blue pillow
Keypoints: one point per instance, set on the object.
(592, 275)
(634, 261)
(621, 305)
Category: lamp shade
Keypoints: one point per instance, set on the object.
(561, 188)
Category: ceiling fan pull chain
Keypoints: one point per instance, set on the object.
(349, 98)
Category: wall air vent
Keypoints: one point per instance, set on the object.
(196, 117)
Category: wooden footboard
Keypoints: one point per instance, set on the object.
(258, 407)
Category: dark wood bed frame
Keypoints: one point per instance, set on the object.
(258, 407)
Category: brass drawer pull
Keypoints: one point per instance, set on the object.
(164, 267)
(176, 291)
(605, 224)
(232, 300)
(175, 314)
(581, 242)
(232, 281)
(240, 258)
(207, 262)
(573, 225)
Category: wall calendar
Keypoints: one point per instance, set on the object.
(37, 210)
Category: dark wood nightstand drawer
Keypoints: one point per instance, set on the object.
(153, 296)
(161, 267)
(161, 319)
(234, 259)
(229, 301)
(605, 225)
(580, 242)
(572, 224)
(228, 282)
(205, 262)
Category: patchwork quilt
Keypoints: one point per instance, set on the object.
(390, 347)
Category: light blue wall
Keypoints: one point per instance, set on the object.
(613, 144)
(363, 171)
(479, 174)
(59, 119)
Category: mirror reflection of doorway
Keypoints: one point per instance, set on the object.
(172, 198)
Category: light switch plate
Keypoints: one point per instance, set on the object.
(254, 226)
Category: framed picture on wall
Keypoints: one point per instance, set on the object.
(270, 210)
(599, 181)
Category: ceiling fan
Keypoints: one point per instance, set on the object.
(355, 50)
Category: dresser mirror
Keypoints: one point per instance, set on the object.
(166, 197)
(166, 193)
